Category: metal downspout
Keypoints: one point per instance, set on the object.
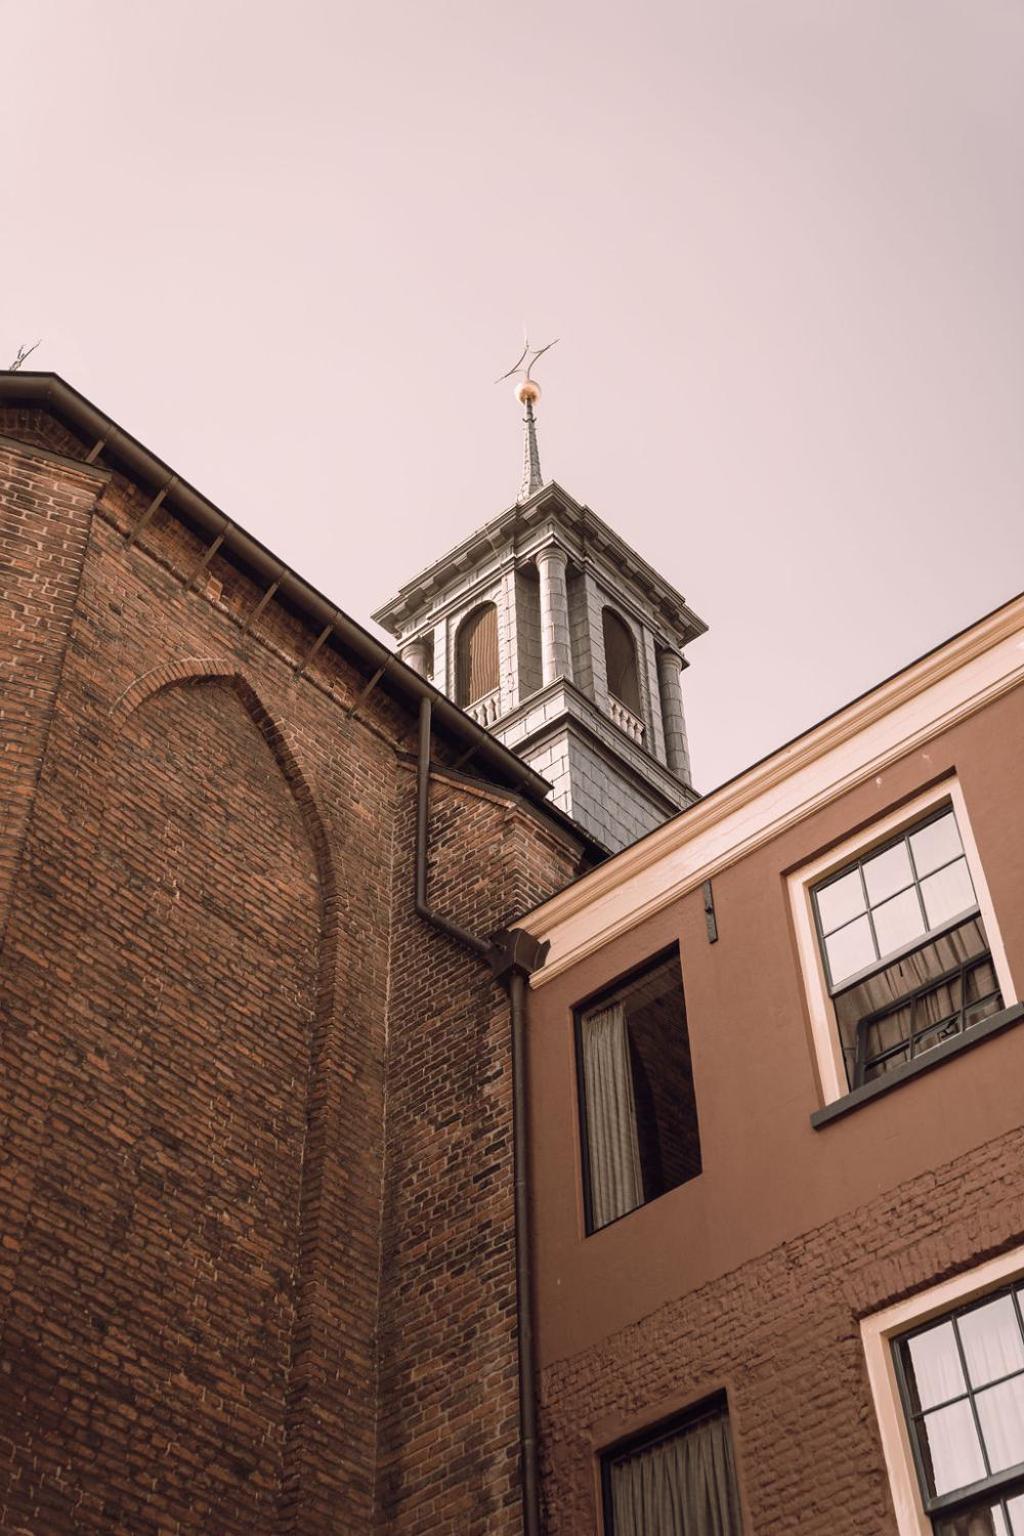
(517, 990)
(512, 957)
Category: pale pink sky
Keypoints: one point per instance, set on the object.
(290, 246)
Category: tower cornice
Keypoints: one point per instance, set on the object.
(582, 531)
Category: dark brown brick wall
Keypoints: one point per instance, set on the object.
(45, 508)
(209, 943)
(448, 1322)
(173, 954)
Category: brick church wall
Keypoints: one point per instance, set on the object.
(206, 864)
(449, 1233)
(45, 509)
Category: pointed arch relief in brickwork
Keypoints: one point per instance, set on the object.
(179, 1192)
(223, 1013)
(192, 669)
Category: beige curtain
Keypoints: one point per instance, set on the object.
(616, 1180)
(895, 981)
(684, 1486)
(931, 1009)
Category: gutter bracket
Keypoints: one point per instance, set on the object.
(709, 911)
(268, 594)
(154, 504)
(365, 692)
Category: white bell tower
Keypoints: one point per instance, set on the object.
(550, 630)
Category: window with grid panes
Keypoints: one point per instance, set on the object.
(961, 1379)
(904, 948)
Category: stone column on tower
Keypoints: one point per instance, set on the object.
(670, 666)
(418, 655)
(555, 641)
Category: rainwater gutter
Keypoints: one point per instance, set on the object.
(512, 956)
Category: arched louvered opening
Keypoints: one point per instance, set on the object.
(620, 660)
(476, 655)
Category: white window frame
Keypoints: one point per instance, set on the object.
(877, 1333)
(824, 1031)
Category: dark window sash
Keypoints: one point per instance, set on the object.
(910, 999)
(895, 956)
(857, 864)
(994, 1485)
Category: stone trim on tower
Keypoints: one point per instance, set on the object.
(670, 668)
(555, 646)
(419, 656)
(553, 569)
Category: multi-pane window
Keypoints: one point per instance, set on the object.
(961, 1380)
(678, 1481)
(638, 1110)
(904, 948)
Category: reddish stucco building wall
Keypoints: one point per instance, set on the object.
(754, 1276)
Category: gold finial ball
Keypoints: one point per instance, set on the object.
(527, 391)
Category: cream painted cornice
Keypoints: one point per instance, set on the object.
(951, 682)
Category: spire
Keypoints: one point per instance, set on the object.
(528, 393)
(532, 478)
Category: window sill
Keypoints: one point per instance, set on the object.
(933, 1058)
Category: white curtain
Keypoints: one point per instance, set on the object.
(616, 1179)
(684, 1486)
(933, 1366)
(990, 1339)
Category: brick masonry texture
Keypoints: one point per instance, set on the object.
(44, 523)
(449, 1388)
(256, 1177)
(782, 1335)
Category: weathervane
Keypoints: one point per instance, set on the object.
(23, 354)
(528, 393)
